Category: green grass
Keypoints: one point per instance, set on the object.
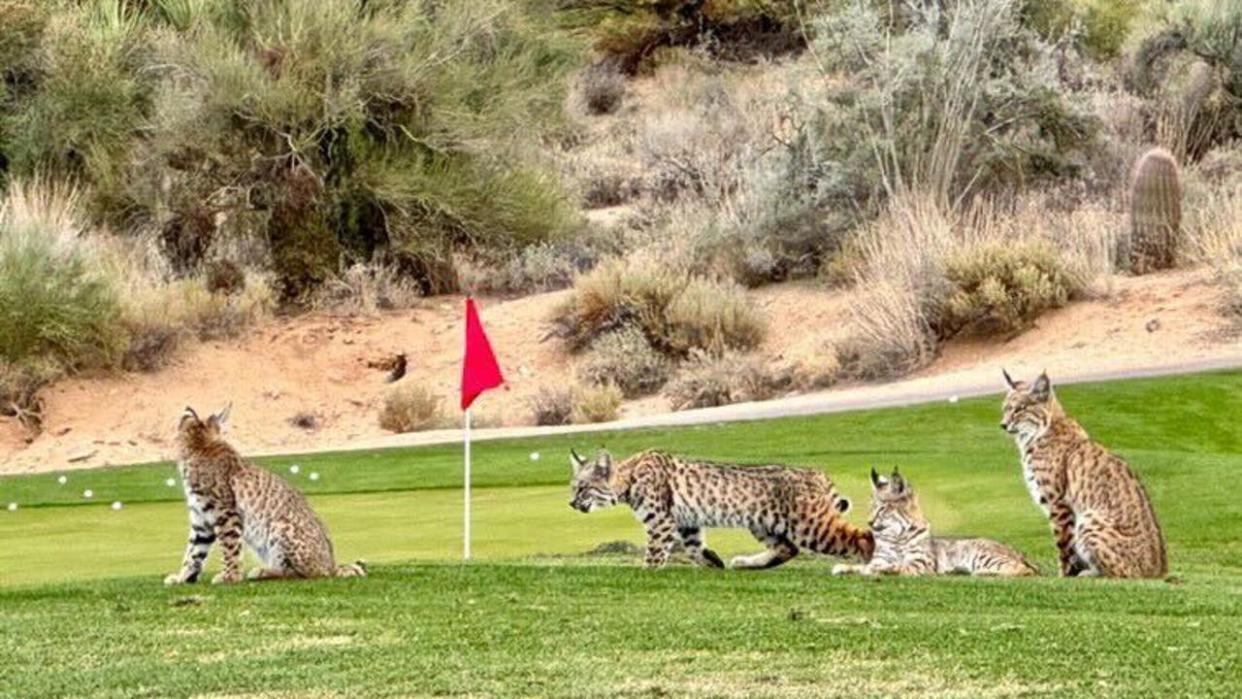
(84, 613)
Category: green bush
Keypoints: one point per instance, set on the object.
(1100, 27)
(1003, 287)
(414, 121)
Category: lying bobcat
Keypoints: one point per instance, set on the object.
(1102, 519)
(904, 544)
(786, 508)
(231, 499)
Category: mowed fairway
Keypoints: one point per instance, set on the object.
(84, 613)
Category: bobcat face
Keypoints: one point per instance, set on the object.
(1027, 409)
(893, 507)
(590, 485)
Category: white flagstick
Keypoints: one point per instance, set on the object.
(466, 528)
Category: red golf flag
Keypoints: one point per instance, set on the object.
(479, 370)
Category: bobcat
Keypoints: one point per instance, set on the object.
(231, 500)
(1102, 519)
(787, 509)
(904, 544)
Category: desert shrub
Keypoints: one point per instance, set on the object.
(225, 277)
(598, 403)
(1003, 287)
(676, 312)
(57, 305)
(367, 288)
(892, 335)
(954, 99)
(411, 408)
(537, 268)
(20, 384)
(627, 360)
(707, 381)
(552, 406)
(334, 132)
(633, 32)
(1100, 27)
(1215, 231)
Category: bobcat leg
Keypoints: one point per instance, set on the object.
(229, 532)
(1062, 518)
(661, 535)
(266, 574)
(692, 539)
(202, 537)
(779, 551)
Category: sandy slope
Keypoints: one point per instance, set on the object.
(318, 364)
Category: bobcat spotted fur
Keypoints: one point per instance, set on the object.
(1102, 520)
(232, 500)
(904, 544)
(788, 509)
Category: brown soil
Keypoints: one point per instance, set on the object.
(318, 365)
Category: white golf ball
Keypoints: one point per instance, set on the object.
(534, 456)
(170, 482)
(314, 475)
(12, 507)
(953, 399)
(117, 505)
(62, 480)
(88, 493)
(294, 469)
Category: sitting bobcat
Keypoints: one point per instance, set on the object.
(904, 544)
(1102, 519)
(786, 508)
(231, 499)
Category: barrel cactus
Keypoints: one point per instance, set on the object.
(1155, 212)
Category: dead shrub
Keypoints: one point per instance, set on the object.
(225, 277)
(20, 384)
(627, 360)
(603, 87)
(552, 406)
(150, 347)
(412, 408)
(707, 381)
(593, 404)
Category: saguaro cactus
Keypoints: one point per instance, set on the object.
(1155, 212)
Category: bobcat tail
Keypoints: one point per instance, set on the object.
(357, 569)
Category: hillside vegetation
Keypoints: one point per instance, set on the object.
(176, 170)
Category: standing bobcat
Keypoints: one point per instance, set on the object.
(231, 500)
(1101, 516)
(904, 544)
(786, 508)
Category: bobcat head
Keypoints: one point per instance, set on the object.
(894, 507)
(193, 432)
(1028, 409)
(590, 485)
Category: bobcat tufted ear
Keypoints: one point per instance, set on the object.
(189, 412)
(897, 481)
(220, 419)
(1009, 382)
(876, 481)
(1042, 388)
(576, 460)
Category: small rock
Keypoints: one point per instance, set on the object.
(1153, 325)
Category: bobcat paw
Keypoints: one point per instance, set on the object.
(226, 578)
(173, 579)
(843, 569)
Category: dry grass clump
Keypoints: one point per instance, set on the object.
(625, 359)
(412, 408)
(602, 86)
(1216, 238)
(677, 313)
(591, 404)
(707, 381)
(368, 288)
